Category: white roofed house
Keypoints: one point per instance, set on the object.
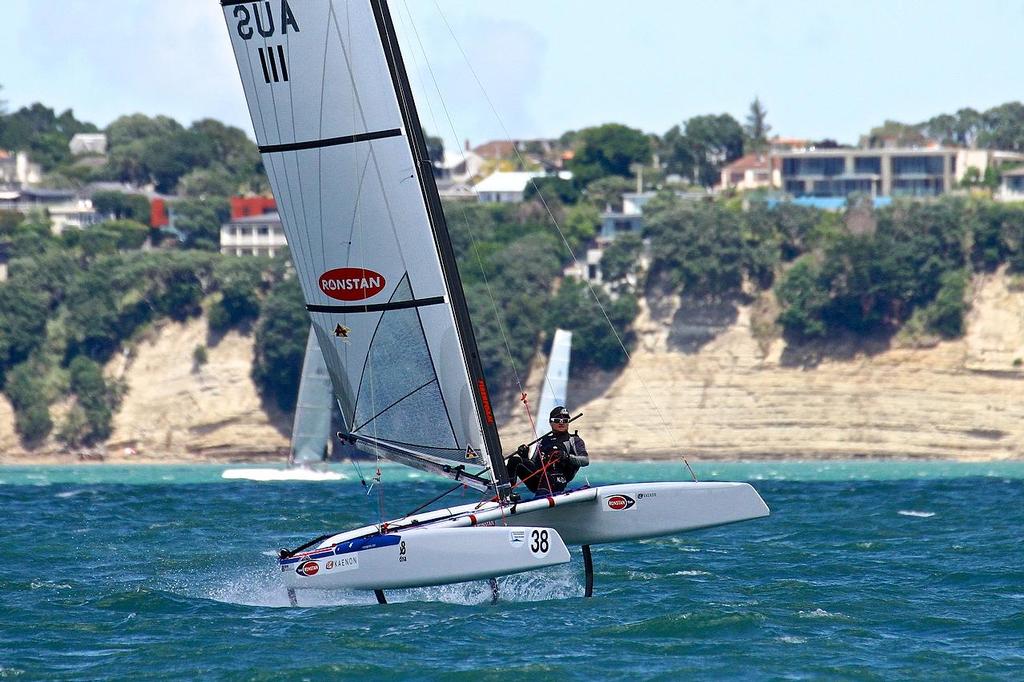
(255, 235)
(504, 187)
(92, 144)
(17, 170)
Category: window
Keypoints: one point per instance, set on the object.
(917, 165)
(867, 164)
(263, 230)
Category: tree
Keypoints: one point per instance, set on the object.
(201, 183)
(575, 308)
(757, 129)
(580, 225)
(895, 133)
(200, 220)
(609, 149)
(676, 152)
(552, 188)
(122, 206)
(713, 142)
(621, 257)
(607, 192)
(435, 150)
(280, 344)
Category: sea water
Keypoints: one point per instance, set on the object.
(864, 570)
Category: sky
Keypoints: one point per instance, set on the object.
(821, 69)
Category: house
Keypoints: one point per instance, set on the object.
(64, 207)
(459, 167)
(752, 171)
(17, 170)
(504, 187)
(253, 235)
(1011, 188)
(92, 144)
(631, 217)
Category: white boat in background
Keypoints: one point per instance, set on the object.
(311, 427)
(341, 141)
(555, 390)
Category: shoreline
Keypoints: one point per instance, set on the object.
(274, 459)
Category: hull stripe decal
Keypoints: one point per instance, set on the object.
(376, 307)
(328, 141)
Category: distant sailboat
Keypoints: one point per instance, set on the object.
(555, 390)
(341, 142)
(311, 426)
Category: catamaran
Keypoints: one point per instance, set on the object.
(340, 138)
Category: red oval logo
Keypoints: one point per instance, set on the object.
(620, 502)
(351, 284)
(308, 568)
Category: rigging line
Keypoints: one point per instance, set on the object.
(320, 134)
(650, 396)
(462, 209)
(476, 250)
(359, 116)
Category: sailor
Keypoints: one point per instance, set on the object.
(559, 455)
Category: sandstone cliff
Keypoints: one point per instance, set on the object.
(699, 370)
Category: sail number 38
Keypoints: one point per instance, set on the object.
(539, 544)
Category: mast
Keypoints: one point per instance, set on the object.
(439, 228)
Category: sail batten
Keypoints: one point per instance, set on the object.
(342, 147)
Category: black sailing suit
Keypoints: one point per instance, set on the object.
(569, 453)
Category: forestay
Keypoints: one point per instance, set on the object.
(342, 147)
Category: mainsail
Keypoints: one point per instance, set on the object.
(311, 428)
(341, 142)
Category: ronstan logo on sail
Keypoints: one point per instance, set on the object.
(351, 284)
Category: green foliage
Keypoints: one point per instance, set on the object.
(607, 192)
(122, 206)
(38, 130)
(609, 149)
(698, 247)
(207, 182)
(240, 281)
(200, 356)
(945, 315)
(26, 392)
(9, 221)
(280, 344)
(160, 150)
(95, 399)
(200, 220)
(621, 257)
(803, 300)
(713, 141)
(575, 308)
(580, 225)
(23, 311)
(756, 129)
(553, 189)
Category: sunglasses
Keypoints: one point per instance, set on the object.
(560, 420)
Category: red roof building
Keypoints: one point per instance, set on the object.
(245, 207)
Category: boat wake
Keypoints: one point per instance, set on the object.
(264, 588)
(296, 474)
(916, 514)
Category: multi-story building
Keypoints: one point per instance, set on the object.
(883, 172)
(254, 235)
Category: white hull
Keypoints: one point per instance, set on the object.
(425, 556)
(293, 474)
(614, 513)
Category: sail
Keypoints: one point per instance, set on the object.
(556, 381)
(344, 153)
(311, 428)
